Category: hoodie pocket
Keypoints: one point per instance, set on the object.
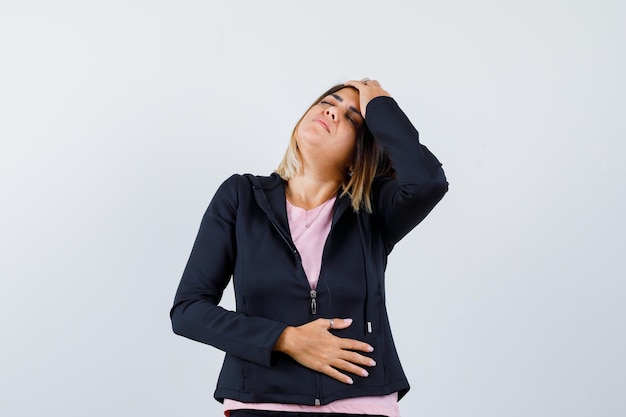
(286, 377)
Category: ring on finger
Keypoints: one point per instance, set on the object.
(365, 80)
(332, 324)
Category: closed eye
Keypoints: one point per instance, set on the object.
(354, 123)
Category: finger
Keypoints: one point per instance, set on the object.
(339, 324)
(357, 359)
(365, 82)
(334, 373)
(351, 368)
(356, 84)
(355, 345)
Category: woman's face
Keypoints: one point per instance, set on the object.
(328, 131)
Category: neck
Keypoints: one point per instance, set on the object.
(309, 192)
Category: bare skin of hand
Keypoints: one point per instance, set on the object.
(368, 90)
(313, 346)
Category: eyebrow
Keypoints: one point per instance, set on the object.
(340, 99)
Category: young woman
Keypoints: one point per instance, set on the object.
(307, 248)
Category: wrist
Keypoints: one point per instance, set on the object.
(283, 342)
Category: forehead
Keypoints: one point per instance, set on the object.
(349, 95)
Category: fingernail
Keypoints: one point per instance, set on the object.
(372, 362)
(364, 373)
(348, 321)
(349, 381)
(370, 349)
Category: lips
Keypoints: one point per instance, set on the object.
(324, 125)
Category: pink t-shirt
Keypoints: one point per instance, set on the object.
(309, 230)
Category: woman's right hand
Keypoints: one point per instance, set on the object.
(313, 346)
(368, 90)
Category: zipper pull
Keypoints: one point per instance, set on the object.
(313, 294)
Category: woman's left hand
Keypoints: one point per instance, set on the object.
(368, 90)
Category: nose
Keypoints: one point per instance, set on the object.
(331, 112)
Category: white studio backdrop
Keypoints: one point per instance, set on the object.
(119, 119)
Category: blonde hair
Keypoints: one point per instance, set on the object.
(368, 161)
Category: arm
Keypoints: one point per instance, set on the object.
(402, 202)
(196, 313)
(420, 182)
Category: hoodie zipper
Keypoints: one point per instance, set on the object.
(313, 296)
(294, 250)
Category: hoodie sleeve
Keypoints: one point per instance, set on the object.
(196, 313)
(401, 203)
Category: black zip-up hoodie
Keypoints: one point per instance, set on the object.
(245, 234)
